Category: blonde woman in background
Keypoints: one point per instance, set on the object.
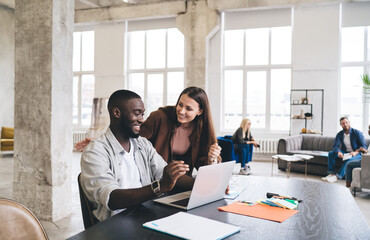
(243, 143)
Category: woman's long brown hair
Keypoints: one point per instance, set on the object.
(203, 125)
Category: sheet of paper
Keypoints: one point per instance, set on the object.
(180, 223)
(346, 156)
(260, 211)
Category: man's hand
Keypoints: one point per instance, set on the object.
(213, 153)
(340, 154)
(171, 173)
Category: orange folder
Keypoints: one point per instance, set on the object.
(259, 211)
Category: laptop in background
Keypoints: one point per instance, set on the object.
(209, 186)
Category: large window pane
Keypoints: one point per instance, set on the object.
(175, 50)
(155, 92)
(75, 100)
(280, 99)
(281, 45)
(76, 51)
(256, 98)
(351, 95)
(136, 83)
(233, 93)
(234, 47)
(136, 50)
(156, 48)
(256, 46)
(88, 51)
(352, 44)
(175, 85)
(87, 95)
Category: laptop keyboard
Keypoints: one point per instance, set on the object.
(183, 202)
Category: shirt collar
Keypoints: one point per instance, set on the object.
(117, 147)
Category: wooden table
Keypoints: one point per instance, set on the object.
(328, 211)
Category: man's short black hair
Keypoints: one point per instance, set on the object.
(342, 118)
(119, 96)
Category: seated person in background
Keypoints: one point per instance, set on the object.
(121, 169)
(243, 143)
(349, 140)
(354, 164)
(184, 131)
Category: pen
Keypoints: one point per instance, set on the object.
(269, 195)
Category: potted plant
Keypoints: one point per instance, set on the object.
(366, 87)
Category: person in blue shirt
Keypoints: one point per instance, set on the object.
(347, 144)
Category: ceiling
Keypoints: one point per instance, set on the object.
(88, 4)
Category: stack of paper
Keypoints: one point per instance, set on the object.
(278, 202)
(180, 223)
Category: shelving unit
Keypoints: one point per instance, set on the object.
(302, 110)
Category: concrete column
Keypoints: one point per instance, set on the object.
(196, 24)
(43, 106)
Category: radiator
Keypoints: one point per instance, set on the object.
(78, 136)
(266, 146)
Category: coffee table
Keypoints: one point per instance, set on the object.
(289, 159)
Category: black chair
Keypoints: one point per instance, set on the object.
(86, 207)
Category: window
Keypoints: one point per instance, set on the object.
(83, 78)
(156, 66)
(257, 77)
(355, 61)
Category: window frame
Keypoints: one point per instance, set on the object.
(250, 68)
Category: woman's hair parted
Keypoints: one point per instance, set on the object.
(203, 127)
(243, 125)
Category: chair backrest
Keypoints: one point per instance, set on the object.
(86, 207)
(18, 222)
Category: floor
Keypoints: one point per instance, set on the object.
(71, 225)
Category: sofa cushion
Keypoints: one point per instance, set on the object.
(7, 132)
(317, 143)
(7, 142)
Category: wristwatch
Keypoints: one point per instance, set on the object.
(156, 187)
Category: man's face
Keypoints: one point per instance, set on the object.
(132, 116)
(345, 124)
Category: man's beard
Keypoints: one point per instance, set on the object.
(127, 128)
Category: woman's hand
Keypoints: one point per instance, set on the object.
(213, 153)
(80, 146)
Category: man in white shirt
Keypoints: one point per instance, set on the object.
(348, 141)
(120, 169)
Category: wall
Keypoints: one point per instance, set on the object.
(7, 23)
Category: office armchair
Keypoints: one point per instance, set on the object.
(361, 176)
(227, 152)
(18, 222)
(86, 207)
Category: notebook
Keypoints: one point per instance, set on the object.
(209, 186)
(201, 228)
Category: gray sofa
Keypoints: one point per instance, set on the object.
(315, 145)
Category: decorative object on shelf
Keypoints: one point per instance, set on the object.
(301, 116)
(305, 100)
(366, 87)
(296, 102)
(308, 115)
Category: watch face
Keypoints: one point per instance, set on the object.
(155, 184)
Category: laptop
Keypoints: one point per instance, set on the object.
(209, 186)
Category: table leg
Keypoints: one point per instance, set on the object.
(272, 166)
(305, 171)
(288, 171)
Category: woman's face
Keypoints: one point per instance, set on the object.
(248, 125)
(187, 109)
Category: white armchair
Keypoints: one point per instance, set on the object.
(361, 176)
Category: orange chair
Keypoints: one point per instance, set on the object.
(18, 222)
